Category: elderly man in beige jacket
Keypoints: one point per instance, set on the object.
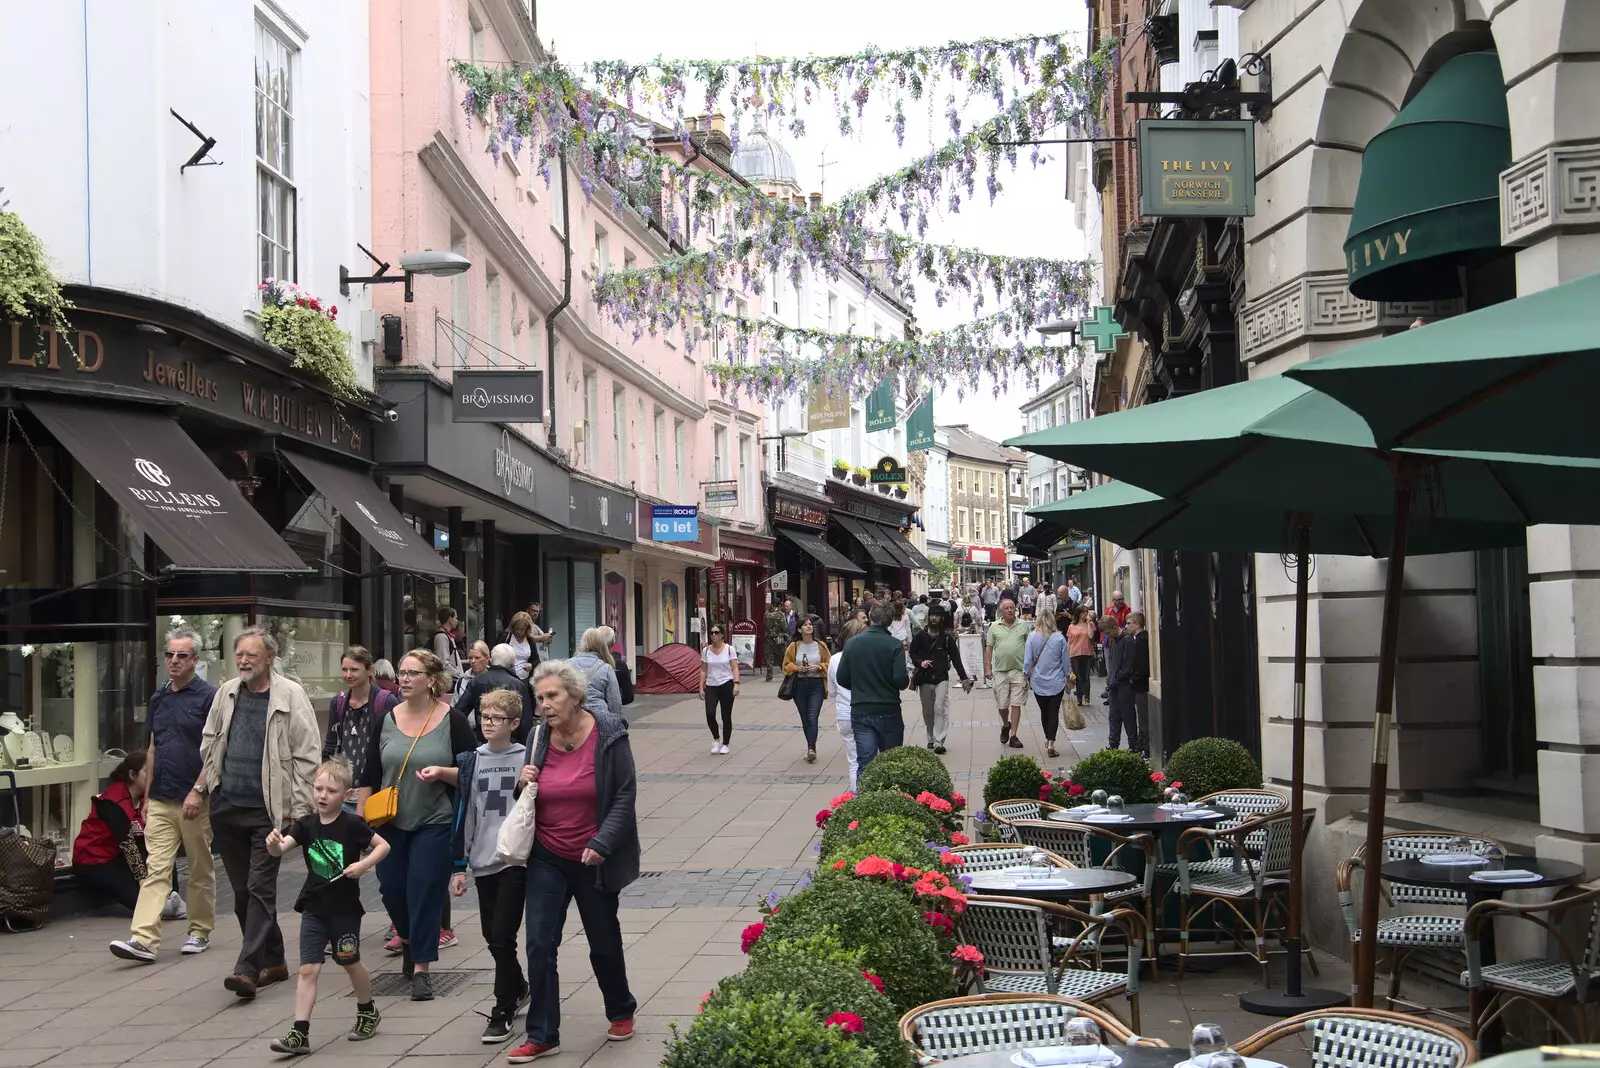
(258, 756)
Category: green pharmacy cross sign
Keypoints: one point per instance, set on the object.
(1103, 330)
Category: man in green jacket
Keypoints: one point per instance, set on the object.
(874, 671)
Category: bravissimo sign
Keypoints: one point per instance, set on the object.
(498, 396)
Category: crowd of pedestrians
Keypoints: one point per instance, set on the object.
(412, 782)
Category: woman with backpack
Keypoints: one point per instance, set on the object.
(352, 713)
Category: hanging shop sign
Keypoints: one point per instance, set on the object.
(881, 413)
(719, 572)
(674, 522)
(919, 425)
(958, 552)
(829, 408)
(1195, 168)
(497, 396)
(1021, 565)
(888, 470)
(1103, 330)
(722, 496)
(780, 582)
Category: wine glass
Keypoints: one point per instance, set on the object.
(1494, 856)
(1081, 1031)
(1459, 846)
(1180, 798)
(1114, 804)
(1225, 1058)
(1098, 798)
(1204, 1040)
(1039, 863)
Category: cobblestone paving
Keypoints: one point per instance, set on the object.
(719, 832)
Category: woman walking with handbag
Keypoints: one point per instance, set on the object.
(586, 847)
(805, 677)
(1044, 668)
(933, 653)
(719, 685)
(409, 789)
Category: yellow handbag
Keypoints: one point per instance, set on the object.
(384, 805)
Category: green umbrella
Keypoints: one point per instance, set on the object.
(1276, 443)
(1514, 376)
(1136, 518)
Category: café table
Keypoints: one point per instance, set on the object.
(1064, 884)
(1148, 818)
(1132, 1057)
(1458, 877)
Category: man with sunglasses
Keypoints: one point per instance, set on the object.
(176, 719)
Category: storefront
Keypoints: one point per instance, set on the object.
(979, 562)
(670, 574)
(485, 494)
(584, 583)
(739, 590)
(819, 574)
(869, 528)
(165, 470)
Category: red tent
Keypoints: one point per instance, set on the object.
(672, 668)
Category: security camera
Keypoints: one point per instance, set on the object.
(391, 415)
(435, 263)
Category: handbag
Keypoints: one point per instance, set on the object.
(515, 840)
(1072, 713)
(133, 856)
(384, 805)
(27, 872)
(786, 688)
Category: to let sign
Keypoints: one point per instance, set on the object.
(1193, 168)
(675, 522)
(497, 396)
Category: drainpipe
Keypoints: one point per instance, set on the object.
(566, 300)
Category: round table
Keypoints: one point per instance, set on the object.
(1458, 877)
(1151, 818)
(1067, 884)
(1132, 1057)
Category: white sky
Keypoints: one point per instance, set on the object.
(1031, 216)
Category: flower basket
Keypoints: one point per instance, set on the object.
(859, 477)
(900, 491)
(841, 472)
(296, 322)
(28, 291)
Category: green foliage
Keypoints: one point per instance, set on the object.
(771, 1031)
(941, 571)
(28, 291)
(910, 769)
(1206, 765)
(896, 944)
(316, 343)
(878, 803)
(826, 977)
(894, 838)
(1013, 777)
(1117, 771)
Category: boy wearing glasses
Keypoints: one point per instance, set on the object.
(176, 721)
(488, 782)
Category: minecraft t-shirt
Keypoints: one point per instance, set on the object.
(329, 848)
(494, 791)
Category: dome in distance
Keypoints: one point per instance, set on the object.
(761, 158)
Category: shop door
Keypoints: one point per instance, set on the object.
(638, 621)
(558, 608)
(585, 597)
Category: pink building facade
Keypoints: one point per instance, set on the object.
(556, 511)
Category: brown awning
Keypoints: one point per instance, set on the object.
(364, 506)
(173, 493)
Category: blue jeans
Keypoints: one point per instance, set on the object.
(875, 734)
(553, 882)
(808, 699)
(413, 880)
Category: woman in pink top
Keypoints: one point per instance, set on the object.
(586, 847)
(1080, 647)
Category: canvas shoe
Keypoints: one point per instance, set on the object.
(447, 938)
(716, 747)
(722, 749)
(620, 1030)
(499, 1029)
(195, 944)
(530, 1051)
(133, 949)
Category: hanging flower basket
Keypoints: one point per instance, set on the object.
(28, 291)
(859, 476)
(841, 471)
(296, 322)
(900, 491)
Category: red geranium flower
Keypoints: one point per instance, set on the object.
(1044, 793)
(854, 824)
(704, 1000)
(939, 922)
(898, 871)
(877, 984)
(957, 838)
(838, 865)
(960, 801)
(1076, 790)
(1045, 773)
(871, 866)
(968, 955)
(751, 935)
(841, 799)
(1157, 776)
(845, 1021)
(822, 816)
(951, 860)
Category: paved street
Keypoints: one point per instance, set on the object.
(719, 832)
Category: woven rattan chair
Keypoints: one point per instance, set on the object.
(1076, 841)
(1566, 975)
(992, 856)
(1254, 894)
(1015, 937)
(1004, 813)
(989, 1023)
(1246, 805)
(1443, 926)
(1358, 1038)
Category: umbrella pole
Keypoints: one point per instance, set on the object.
(1295, 999)
(1405, 484)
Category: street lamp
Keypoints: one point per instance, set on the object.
(782, 436)
(1061, 326)
(429, 262)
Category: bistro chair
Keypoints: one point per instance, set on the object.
(1005, 813)
(1000, 1023)
(1564, 976)
(993, 856)
(1019, 956)
(1246, 805)
(1076, 842)
(1403, 934)
(1253, 895)
(1347, 1038)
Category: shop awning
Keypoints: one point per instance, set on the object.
(152, 469)
(1035, 542)
(367, 508)
(865, 534)
(820, 551)
(1429, 196)
(919, 562)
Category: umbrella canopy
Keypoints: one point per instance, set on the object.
(1277, 442)
(1138, 519)
(1517, 375)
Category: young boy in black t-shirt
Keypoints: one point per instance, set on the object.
(330, 902)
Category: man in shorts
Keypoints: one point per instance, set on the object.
(1004, 643)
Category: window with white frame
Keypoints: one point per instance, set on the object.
(475, 36)
(719, 450)
(961, 523)
(749, 509)
(276, 196)
(591, 420)
(661, 452)
(558, 194)
(679, 448)
(833, 312)
(460, 300)
(634, 441)
(619, 416)
(977, 526)
(994, 526)
(491, 285)
(994, 485)
(600, 256)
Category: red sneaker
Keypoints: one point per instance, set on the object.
(531, 1051)
(620, 1031)
(393, 944)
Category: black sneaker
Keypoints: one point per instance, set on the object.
(939, 749)
(1005, 732)
(499, 1029)
(524, 996)
(421, 987)
(296, 1043)
(366, 1025)
(1015, 743)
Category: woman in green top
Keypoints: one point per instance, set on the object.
(420, 737)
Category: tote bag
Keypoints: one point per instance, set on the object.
(515, 840)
